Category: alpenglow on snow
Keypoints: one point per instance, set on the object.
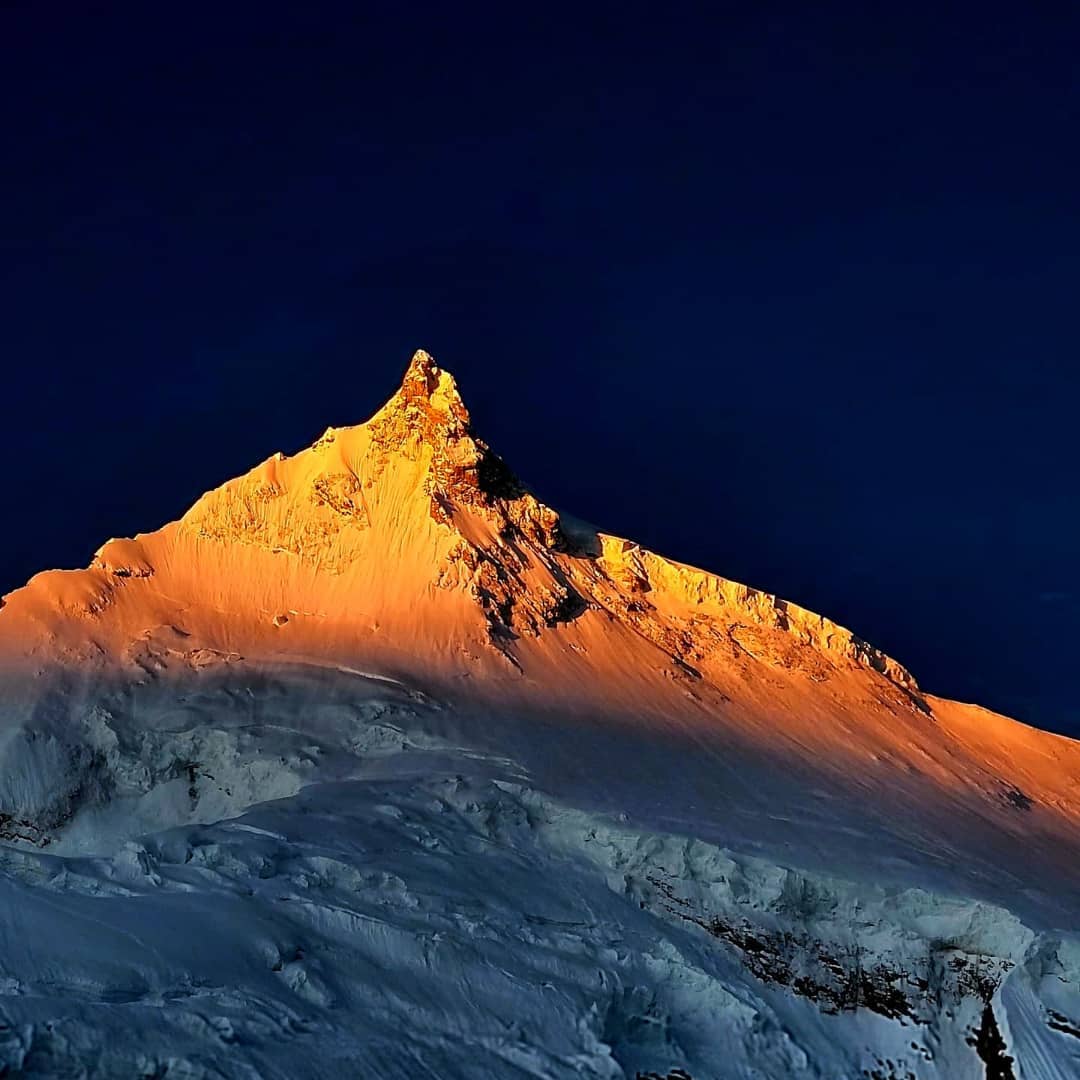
(373, 764)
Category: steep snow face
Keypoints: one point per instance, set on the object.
(356, 533)
(420, 746)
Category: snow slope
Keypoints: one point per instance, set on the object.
(373, 762)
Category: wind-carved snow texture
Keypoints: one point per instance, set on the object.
(374, 765)
(297, 876)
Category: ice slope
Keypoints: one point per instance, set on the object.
(374, 762)
(405, 907)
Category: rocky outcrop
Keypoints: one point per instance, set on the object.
(689, 614)
(361, 494)
(695, 613)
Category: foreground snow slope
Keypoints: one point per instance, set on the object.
(372, 761)
(393, 904)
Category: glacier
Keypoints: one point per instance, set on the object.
(374, 764)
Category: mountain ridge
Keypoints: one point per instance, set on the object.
(406, 549)
(371, 740)
(427, 421)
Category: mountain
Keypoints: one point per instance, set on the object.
(373, 762)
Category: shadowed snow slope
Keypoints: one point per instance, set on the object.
(374, 762)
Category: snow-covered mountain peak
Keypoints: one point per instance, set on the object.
(405, 547)
(426, 411)
(425, 386)
(358, 692)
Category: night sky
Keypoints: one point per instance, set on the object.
(789, 296)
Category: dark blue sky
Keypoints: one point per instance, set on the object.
(789, 295)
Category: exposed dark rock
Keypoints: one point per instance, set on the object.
(494, 477)
(841, 980)
(13, 828)
(1017, 799)
(566, 607)
(1060, 1022)
(990, 1047)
